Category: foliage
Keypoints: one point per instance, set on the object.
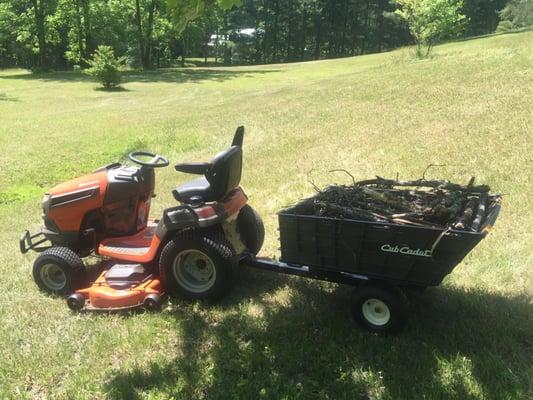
(158, 33)
(516, 14)
(185, 11)
(431, 20)
(482, 16)
(105, 67)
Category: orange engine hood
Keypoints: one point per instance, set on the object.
(72, 199)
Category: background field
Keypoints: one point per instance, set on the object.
(469, 107)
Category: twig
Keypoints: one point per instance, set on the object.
(430, 166)
(312, 182)
(343, 170)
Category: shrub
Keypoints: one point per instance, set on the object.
(105, 67)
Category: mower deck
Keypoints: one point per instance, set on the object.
(120, 287)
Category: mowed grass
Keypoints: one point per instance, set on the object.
(469, 107)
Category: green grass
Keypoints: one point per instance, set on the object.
(469, 107)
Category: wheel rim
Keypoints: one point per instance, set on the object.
(376, 312)
(53, 276)
(194, 271)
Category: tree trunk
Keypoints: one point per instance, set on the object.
(147, 57)
(303, 33)
(139, 30)
(79, 29)
(345, 28)
(318, 36)
(275, 33)
(365, 27)
(289, 30)
(184, 49)
(41, 38)
(87, 29)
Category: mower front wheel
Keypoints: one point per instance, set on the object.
(58, 270)
(197, 265)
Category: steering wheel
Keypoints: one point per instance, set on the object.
(155, 161)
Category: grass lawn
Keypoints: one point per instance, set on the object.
(469, 107)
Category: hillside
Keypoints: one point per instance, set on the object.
(469, 108)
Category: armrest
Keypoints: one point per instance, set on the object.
(199, 168)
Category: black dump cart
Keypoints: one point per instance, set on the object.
(380, 259)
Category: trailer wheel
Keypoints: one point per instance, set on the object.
(251, 229)
(58, 270)
(379, 308)
(197, 265)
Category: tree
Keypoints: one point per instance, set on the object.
(431, 20)
(144, 35)
(516, 14)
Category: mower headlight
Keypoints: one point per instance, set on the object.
(47, 199)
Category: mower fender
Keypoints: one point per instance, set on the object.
(175, 219)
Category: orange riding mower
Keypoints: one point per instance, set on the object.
(191, 252)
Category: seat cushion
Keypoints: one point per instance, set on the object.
(197, 187)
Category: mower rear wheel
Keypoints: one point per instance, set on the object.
(251, 229)
(197, 265)
(58, 270)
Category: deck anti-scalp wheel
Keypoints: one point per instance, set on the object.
(58, 270)
(197, 265)
(379, 308)
(153, 302)
(75, 301)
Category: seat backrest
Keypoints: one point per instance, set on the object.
(225, 172)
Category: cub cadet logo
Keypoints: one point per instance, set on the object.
(405, 250)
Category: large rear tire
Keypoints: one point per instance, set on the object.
(59, 270)
(196, 265)
(251, 229)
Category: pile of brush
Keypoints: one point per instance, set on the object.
(435, 203)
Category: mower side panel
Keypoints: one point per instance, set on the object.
(73, 199)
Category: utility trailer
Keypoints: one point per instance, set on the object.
(380, 259)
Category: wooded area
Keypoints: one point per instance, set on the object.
(64, 33)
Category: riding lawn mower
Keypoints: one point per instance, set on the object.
(192, 251)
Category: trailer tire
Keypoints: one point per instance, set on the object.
(59, 270)
(379, 308)
(197, 265)
(251, 229)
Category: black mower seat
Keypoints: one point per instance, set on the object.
(198, 187)
(220, 176)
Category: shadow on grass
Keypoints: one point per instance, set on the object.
(5, 97)
(112, 89)
(163, 75)
(458, 345)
